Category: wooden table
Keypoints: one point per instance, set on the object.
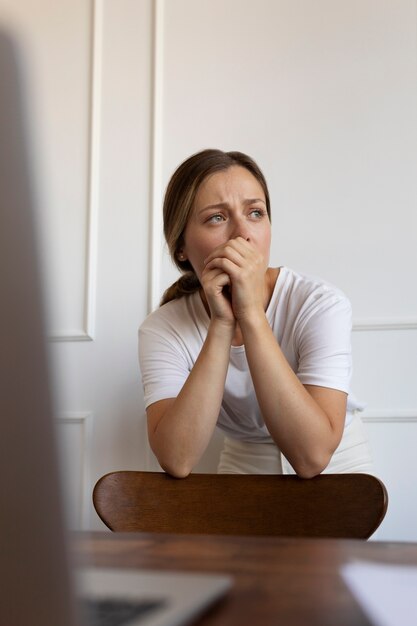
(289, 582)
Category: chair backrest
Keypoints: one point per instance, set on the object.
(329, 505)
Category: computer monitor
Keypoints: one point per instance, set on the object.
(33, 564)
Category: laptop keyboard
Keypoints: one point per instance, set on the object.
(116, 612)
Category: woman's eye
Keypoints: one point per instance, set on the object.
(257, 213)
(215, 219)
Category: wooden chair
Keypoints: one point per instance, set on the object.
(329, 505)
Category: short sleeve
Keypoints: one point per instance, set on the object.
(323, 342)
(164, 367)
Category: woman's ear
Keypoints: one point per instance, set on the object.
(181, 256)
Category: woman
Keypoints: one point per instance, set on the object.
(263, 353)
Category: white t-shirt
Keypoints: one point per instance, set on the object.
(310, 319)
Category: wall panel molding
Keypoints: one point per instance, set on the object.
(156, 192)
(83, 422)
(389, 416)
(86, 333)
(389, 323)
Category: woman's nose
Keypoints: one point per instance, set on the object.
(240, 229)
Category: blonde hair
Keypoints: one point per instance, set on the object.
(179, 201)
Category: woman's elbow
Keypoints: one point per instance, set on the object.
(173, 462)
(176, 470)
(307, 472)
(312, 466)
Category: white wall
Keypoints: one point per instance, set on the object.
(322, 94)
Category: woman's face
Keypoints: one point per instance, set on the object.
(228, 204)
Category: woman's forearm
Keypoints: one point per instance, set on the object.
(180, 435)
(305, 433)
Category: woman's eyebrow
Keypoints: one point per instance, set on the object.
(225, 205)
(219, 205)
(253, 200)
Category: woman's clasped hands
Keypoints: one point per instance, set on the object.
(233, 280)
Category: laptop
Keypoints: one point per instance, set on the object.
(37, 584)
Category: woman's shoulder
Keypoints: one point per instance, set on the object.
(300, 296)
(305, 286)
(176, 314)
(162, 314)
